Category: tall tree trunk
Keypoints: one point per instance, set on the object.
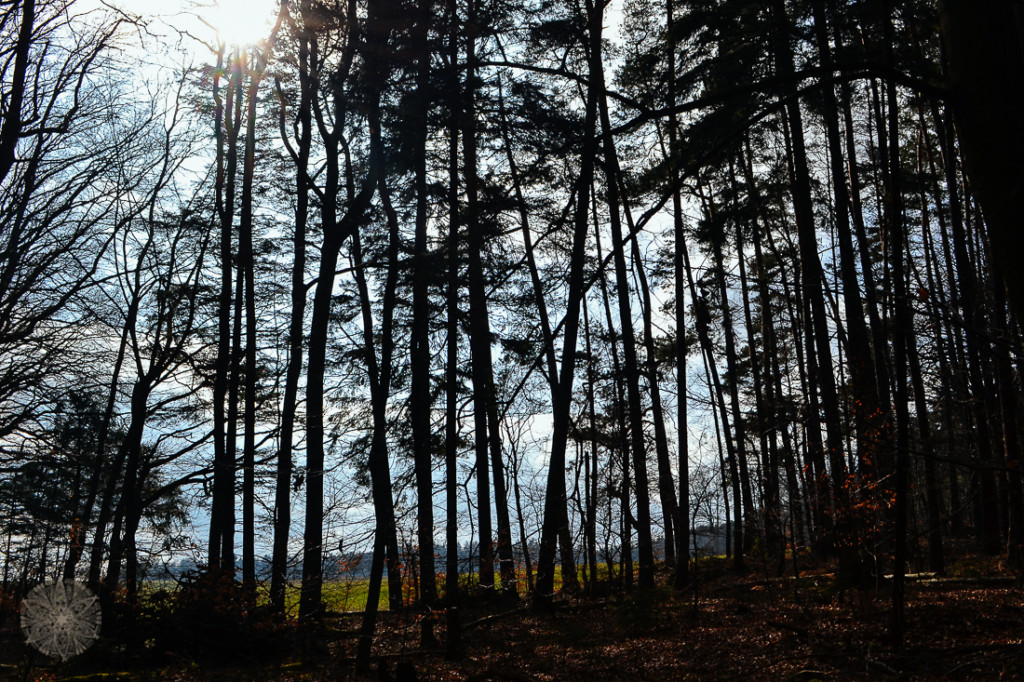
(379, 17)
(103, 517)
(933, 495)
(774, 392)
(568, 578)
(283, 484)
(247, 265)
(123, 544)
(555, 509)
(815, 493)
(973, 315)
(454, 645)
(590, 462)
(986, 67)
(682, 577)
(222, 519)
(902, 337)
(732, 538)
(948, 342)
(682, 574)
(480, 337)
(451, 438)
(234, 405)
(666, 486)
(766, 434)
(868, 413)
(335, 232)
(632, 371)
(419, 352)
(621, 433)
(744, 518)
(813, 291)
(879, 342)
(379, 374)
(1009, 413)
(702, 320)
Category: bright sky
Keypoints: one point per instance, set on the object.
(236, 21)
(240, 21)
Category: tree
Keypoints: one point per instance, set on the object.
(302, 34)
(555, 503)
(65, 174)
(985, 65)
(335, 232)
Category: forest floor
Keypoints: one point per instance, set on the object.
(970, 626)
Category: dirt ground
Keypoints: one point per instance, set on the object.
(730, 628)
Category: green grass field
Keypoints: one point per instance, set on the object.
(349, 595)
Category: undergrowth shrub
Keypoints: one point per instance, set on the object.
(213, 619)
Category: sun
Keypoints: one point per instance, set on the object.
(240, 22)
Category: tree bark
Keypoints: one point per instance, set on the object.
(682, 577)
(555, 496)
(632, 372)
(813, 291)
(283, 485)
(986, 72)
(226, 132)
(419, 352)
